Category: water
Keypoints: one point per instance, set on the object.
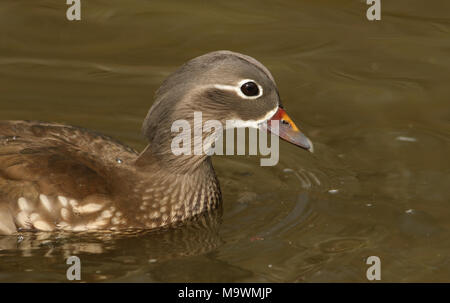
(372, 96)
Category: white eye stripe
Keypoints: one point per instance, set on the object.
(237, 89)
(252, 123)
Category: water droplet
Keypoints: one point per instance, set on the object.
(333, 191)
(9, 139)
(410, 211)
(270, 265)
(406, 139)
(152, 260)
(119, 161)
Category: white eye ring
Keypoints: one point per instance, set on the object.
(238, 91)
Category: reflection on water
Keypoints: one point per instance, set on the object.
(139, 250)
(372, 96)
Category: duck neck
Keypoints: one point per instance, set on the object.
(177, 189)
(175, 164)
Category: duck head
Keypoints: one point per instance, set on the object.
(222, 85)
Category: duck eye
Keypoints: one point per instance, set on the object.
(250, 89)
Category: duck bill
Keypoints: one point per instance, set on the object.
(287, 130)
